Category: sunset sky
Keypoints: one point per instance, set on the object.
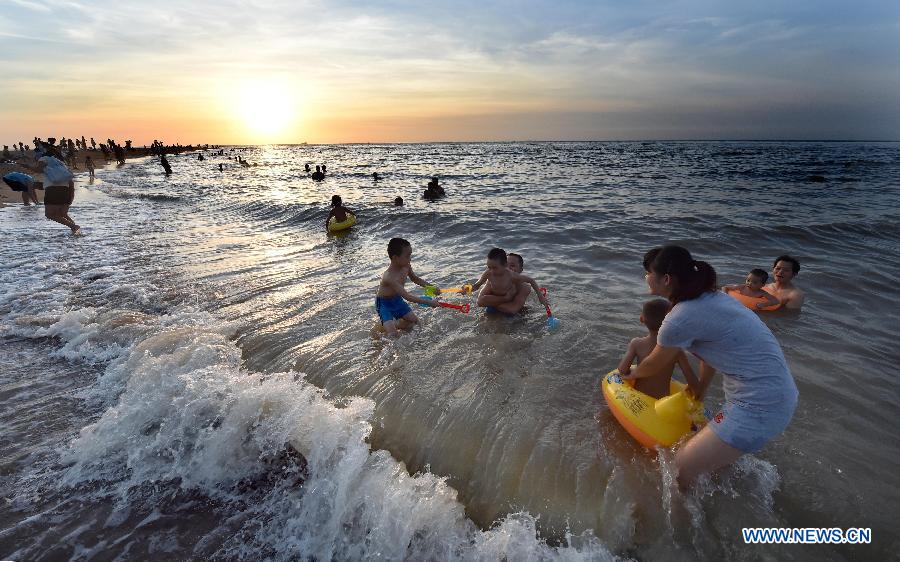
(267, 72)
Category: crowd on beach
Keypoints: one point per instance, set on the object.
(48, 168)
(692, 314)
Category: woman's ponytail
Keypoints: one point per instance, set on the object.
(692, 277)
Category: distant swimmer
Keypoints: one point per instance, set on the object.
(89, 164)
(324, 169)
(437, 186)
(318, 175)
(433, 191)
(338, 211)
(398, 202)
(165, 164)
(200, 157)
(306, 166)
(221, 167)
(375, 176)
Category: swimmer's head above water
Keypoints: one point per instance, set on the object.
(516, 264)
(496, 261)
(756, 279)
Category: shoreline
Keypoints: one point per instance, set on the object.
(14, 163)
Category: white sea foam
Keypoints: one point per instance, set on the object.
(188, 412)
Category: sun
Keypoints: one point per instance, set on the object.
(266, 108)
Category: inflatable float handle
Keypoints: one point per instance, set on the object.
(675, 406)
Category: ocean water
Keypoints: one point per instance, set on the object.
(152, 371)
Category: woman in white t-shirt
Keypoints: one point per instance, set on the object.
(760, 394)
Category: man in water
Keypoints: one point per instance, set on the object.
(784, 270)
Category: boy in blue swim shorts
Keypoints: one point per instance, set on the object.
(389, 302)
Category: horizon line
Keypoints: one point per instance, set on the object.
(548, 141)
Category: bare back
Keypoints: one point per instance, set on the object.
(656, 386)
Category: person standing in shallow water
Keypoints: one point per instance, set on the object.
(760, 393)
(59, 192)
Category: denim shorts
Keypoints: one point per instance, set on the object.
(748, 427)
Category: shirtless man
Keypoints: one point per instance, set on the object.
(784, 270)
(502, 285)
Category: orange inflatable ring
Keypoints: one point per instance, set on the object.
(751, 302)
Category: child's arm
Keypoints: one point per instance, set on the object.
(330, 214)
(401, 290)
(418, 280)
(692, 381)
(481, 281)
(488, 298)
(661, 360)
(726, 288)
(771, 300)
(625, 363)
(515, 305)
(534, 285)
(706, 376)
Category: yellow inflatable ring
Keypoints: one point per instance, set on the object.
(751, 302)
(636, 412)
(335, 226)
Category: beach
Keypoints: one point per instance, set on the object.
(156, 366)
(19, 162)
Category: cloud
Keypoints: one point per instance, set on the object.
(412, 60)
(33, 6)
